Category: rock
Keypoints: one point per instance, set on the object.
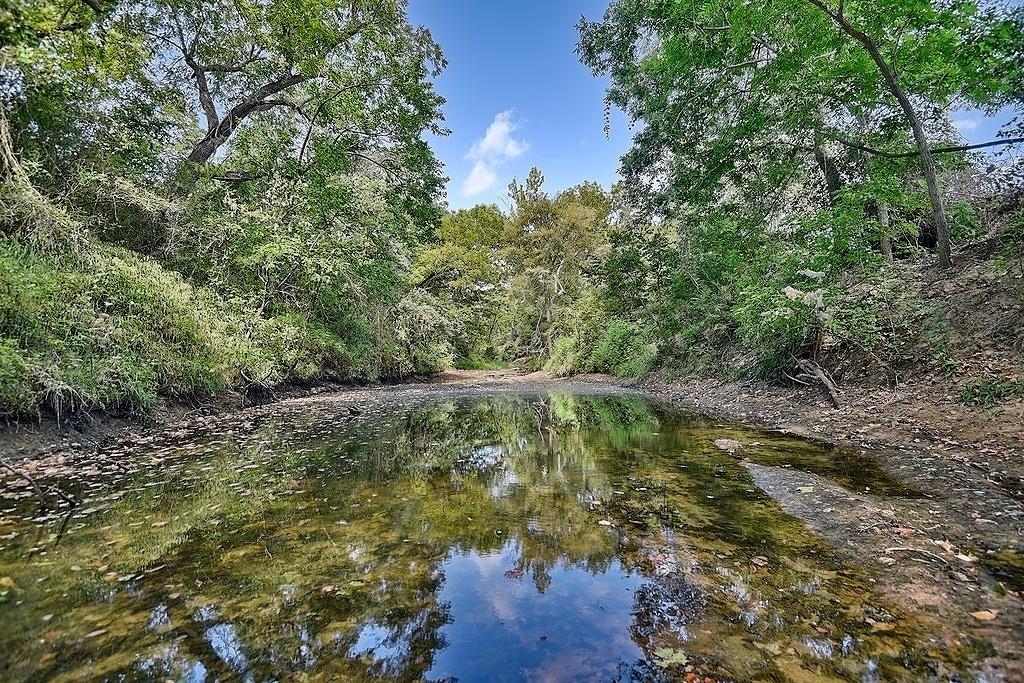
(728, 445)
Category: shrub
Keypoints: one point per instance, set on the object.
(883, 317)
(565, 357)
(114, 331)
(418, 339)
(624, 350)
(16, 394)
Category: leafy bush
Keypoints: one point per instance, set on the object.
(16, 394)
(624, 350)
(477, 363)
(565, 357)
(112, 332)
(773, 326)
(421, 342)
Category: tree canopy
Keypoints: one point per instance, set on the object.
(726, 91)
(264, 165)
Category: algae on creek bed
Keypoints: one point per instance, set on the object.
(485, 537)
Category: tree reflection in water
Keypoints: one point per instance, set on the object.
(539, 536)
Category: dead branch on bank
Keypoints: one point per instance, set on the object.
(809, 371)
(40, 495)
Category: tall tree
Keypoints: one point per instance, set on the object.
(314, 59)
(554, 243)
(722, 87)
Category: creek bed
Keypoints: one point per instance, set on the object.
(546, 533)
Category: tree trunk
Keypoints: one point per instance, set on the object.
(205, 149)
(920, 138)
(886, 238)
(219, 133)
(833, 181)
(928, 166)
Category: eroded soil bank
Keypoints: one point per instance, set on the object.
(953, 549)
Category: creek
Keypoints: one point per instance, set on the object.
(549, 533)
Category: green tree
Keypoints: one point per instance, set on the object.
(314, 58)
(725, 89)
(556, 245)
(225, 195)
(468, 267)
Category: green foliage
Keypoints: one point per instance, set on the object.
(524, 286)
(16, 389)
(421, 342)
(145, 258)
(881, 315)
(990, 392)
(565, 357)
(623, 350)
(1012, 251)
(774, 170)
(727, 91)
(113, 333)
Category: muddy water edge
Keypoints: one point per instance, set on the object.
(554, 531)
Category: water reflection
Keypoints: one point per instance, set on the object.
(169, 663)
(226, 645)
(532, 536)
(561, 622)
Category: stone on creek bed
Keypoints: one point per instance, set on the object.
(922, 566)
(728, 445)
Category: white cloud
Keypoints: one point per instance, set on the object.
(479, 179)
(497, 142)
(964, 125)
(491, 151)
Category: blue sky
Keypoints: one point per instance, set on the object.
(511, 68)
(518, 97)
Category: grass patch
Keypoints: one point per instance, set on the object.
(116, 330)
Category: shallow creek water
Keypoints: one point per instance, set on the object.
(455, 535)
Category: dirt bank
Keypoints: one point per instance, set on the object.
(956, 551)
(969, 459)
(26, 440)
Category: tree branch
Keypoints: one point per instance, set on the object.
(205, 97)
(892, 83)
(258, 101)
(238, 176)
(935, 150)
